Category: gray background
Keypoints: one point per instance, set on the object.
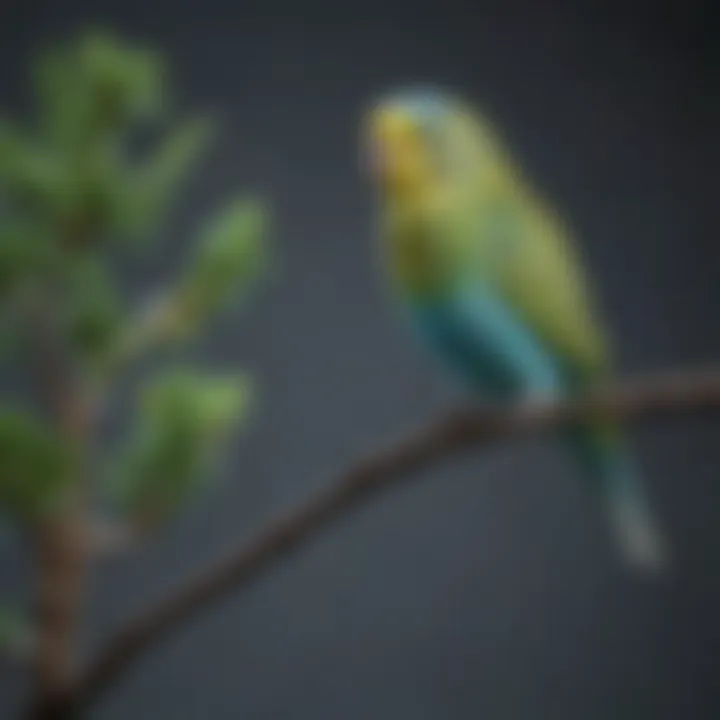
(488, 590)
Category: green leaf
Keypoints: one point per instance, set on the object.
(69, 191)
(127, 82)
(93, 310)
(27, 251)
(62, 100)
(29, 173)
(149, 190)
(9, 335)
(35, 466)
(183, 420)
(93, 88)
(91, 95)
(229, 255)
(16, 632)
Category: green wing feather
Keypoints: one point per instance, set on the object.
(526, 249)
(539, 273)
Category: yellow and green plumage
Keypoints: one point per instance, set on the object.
(490, 280)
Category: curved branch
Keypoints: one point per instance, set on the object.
(664, 395)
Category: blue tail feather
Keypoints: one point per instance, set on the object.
(615, 481)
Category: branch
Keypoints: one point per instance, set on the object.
(61, 560)
(105, 539)
(152, 325)
(664, 395)
(162, 319)
(110, 540)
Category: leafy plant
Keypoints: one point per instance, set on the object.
(96, 170)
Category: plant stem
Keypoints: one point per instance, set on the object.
(61, 547)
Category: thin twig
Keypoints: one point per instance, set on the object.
(105, 539)
(665, 395)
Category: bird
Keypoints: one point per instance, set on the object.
(491, 280)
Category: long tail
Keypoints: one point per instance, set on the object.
(607, 461)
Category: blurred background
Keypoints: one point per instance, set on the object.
(490, 588)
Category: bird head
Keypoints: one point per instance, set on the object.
(403, 140)
(422, 139)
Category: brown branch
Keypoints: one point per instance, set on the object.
(105, 539)
(61, 560)
(669, 394)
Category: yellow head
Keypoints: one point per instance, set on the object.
(398, 151)
(420, 141)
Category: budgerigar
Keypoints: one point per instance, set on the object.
(490, 279)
